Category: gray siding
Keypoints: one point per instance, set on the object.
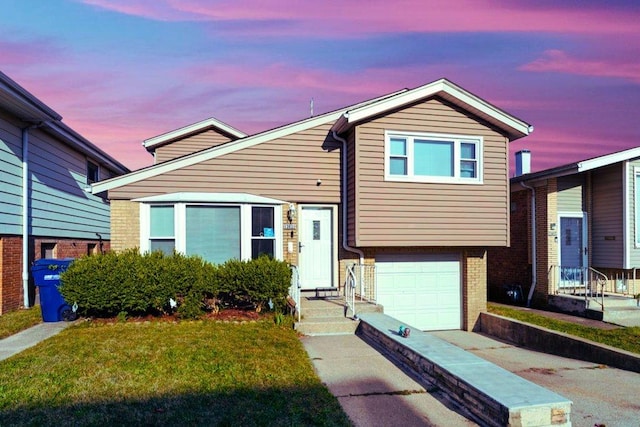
(634, 248)
(59, 205)
(607, 234)
(287, 168)
(428, 214)
(189, 145)
(570, 193)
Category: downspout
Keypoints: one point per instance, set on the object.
(343, 154)
(534, 263)
(25, 213)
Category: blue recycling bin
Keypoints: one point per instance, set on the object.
(46, 275)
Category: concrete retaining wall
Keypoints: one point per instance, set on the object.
(553, 342)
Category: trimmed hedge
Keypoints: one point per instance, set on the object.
(130, 283)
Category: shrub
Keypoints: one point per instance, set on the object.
(254, 283)
(129, 283)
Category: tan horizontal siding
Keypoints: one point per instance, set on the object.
(286, 169)
(429, 214)
(189, 145)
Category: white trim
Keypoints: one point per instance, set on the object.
(626, 212)
(334, 236)
(223, 149)
(191, 129)
(210, 198)
(608, 159)
(459, 95)
(457, 140)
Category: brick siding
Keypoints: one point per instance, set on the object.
(125, 225)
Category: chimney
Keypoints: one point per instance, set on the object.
(523, 162)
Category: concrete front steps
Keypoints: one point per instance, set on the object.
(619, 310)
(327, 316)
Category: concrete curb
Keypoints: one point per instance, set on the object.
(553, 342)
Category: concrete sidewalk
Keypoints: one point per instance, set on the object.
(372, 390)
(29, 337)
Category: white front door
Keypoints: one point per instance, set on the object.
(316, 247)
(573, 249)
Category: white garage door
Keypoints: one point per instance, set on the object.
(421, 290)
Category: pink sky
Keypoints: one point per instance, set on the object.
(123, 71)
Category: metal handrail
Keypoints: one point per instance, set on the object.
(294, 292)
(350, 291)
(601, 279)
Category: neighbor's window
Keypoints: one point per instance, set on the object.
(162, 229)
(93, 174)
(432, 158)
(263, 236)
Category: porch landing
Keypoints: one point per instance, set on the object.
(618, 310)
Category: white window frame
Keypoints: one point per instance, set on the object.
(457, 141)
(180, 226)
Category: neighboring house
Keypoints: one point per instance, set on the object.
(46, 210)
(414, 185)
(587, 228)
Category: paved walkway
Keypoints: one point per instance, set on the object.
(372, 390)
(29, 337)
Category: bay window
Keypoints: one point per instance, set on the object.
(216, 232)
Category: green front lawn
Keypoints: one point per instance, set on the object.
(164, 373)
(623, 338)
(16, 321)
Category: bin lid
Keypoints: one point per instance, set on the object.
(53, 261)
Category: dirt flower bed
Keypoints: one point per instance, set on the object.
(227, 315)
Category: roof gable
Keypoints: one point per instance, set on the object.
(512, 126)
(152, 143)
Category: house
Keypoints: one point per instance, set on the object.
(45, 208)
(412, 185)
(585, 217)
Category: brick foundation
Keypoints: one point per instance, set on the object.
(11, 289)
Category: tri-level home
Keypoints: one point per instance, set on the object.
(46, 210)
(405, 191)
(575, 235)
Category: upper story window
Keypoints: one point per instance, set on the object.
(93, 172)
(423, 157)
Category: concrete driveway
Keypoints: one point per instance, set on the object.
(601, 395)
(374, 392)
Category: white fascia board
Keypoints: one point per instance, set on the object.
(193, 197)
(26, 101)
(608, 159)
(229, 147)
(212, 153)
(429, 90)
(193, 128)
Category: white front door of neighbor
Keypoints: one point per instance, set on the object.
(315, 249)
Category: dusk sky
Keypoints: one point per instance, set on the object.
(121, 71)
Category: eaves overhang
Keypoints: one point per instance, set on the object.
(192, 129)
(513, 127)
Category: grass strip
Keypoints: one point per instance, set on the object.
(19, 320)
(165, 373)
(623, 338)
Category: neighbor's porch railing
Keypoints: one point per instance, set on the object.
(589, 283)
(360, 285)
(294, 293)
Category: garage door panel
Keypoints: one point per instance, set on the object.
(422, 290)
